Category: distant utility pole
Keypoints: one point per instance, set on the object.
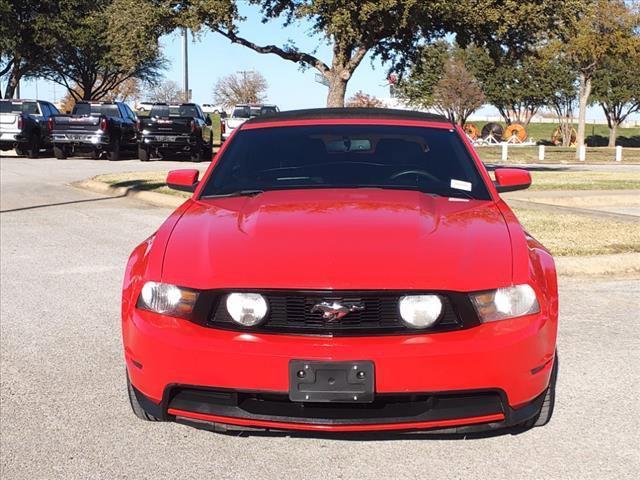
(244, 73)
(185, 65)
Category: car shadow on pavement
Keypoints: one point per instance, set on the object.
(354, 436)
(138, 185)
(45, 205)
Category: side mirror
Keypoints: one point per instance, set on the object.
(511, 179)
(184, 180)
(208, 120)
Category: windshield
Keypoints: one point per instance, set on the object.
(28, 108)
(430, 160)
(174, 111)
(109, 109)
(249, 112)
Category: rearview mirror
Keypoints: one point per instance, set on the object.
(184, 180)
(511, 179)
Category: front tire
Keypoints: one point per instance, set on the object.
(21, 152)
(546, 411)
(114, 154)
(33, 147)
(59, 153)
(143, 154)
(136, 407)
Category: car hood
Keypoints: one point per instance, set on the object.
(340, 239)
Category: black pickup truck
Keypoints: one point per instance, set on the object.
(172, 129)
(95, 127)
(24, 126)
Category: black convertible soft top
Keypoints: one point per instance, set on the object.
(340, 113)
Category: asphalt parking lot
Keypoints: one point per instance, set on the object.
(65, 414)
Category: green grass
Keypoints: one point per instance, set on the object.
(570, 234)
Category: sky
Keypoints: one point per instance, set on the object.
(212, 56)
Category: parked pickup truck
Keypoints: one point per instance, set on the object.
(172, 129)
(243, 112)
(94, 127)
(24, 126)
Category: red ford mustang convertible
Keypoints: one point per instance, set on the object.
(343, 270)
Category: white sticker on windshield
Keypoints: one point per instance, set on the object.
(460, 185)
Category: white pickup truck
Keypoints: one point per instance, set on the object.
(24, 125)
(243, 112)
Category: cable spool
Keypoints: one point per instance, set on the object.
(492, 131)
(471, 130)
(515, 132)
(556, 137)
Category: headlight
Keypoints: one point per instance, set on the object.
(507, 302)
(167, 299)
(247, 309)
(420, 311)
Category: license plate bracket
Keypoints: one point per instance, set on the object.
(347, 382)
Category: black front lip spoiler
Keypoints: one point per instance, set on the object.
(513, 417)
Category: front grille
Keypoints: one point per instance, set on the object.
(292, 312)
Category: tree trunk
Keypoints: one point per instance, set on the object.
(613, 134)
(337, 90)
(13, 81)
(585, 91)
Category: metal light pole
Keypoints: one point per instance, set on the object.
(185, 65)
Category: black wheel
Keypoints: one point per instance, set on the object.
(136, 407)
(114, 154)
(492, 129)
(21, 152)
(95, 154)
(143, 154)
(59, 153)
(546, 411)
(196, 156)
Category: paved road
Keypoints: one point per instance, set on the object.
(64, 412)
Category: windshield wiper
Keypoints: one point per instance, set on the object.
(237, 193)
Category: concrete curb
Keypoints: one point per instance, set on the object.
(153, 198)
(621, 264)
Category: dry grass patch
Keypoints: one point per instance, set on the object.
(574, 234)
(564, 180)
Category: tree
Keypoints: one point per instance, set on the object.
(23, 40)
(92, 56)
(165, 92)
(416, 88)
(616, 87)
(517, 85)
(392, 30)
(244, 87)
(363, 100)
(440, 79)
(563, 95)
(457, 94)
(604, 29)
(125, 92)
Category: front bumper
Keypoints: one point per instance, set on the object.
(511, 359)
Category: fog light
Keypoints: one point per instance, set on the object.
(420, 311)
(247, 309)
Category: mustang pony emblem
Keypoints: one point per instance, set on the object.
(335, 310)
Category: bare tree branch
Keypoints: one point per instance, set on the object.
(292, 55)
